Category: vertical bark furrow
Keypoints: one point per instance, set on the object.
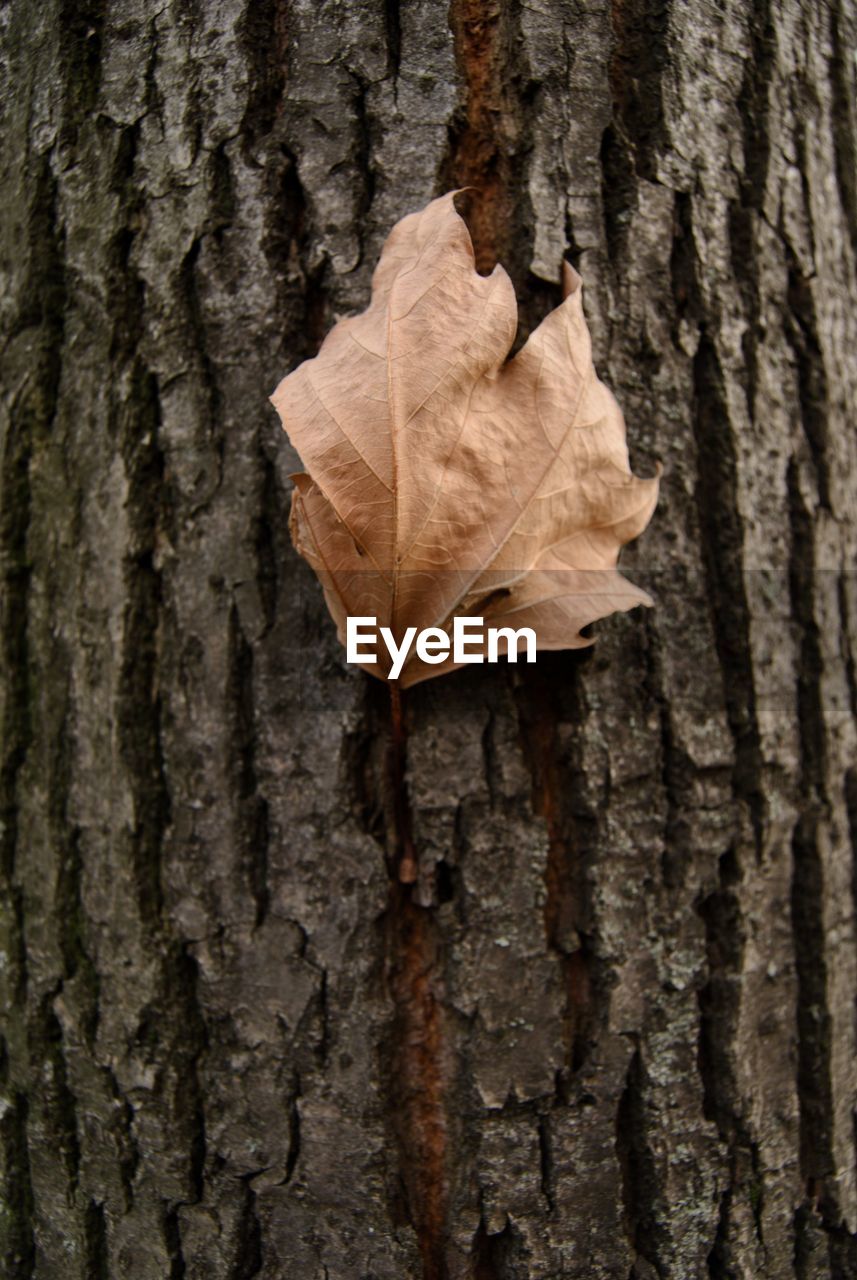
(96, 1258)
(172, 1031)
(501, 1255)
(78, 980)
(363, 157)
(35, 1051)
(417, 1077)
(720, 1258)
(418, 1081)
(847, 583)
(124, 288)
(720, 524)
(719, 999)
(754, 104)
(41, 315)
(248, 1260)
(721, 1011)
(173, 1244)
(547, 1172)
(572, 838)
(811, 1254)
(301, 283)
(850, 789)
(251, 834)
(619, 190)
(72, 929)
(16, 732)
(264, 34)
(16, 1224)
(414, 1054)
(139, 702)
(486, 143)
(802, 332)
(121, 1130)
(195, 339)
(57, 1103)
(393, 23)
(81, 33)
(265, 542)
(677, 773)
(813, 1013)
(637, 66)
(843, 81)
(640, 1185)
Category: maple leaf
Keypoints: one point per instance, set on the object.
(443, 478)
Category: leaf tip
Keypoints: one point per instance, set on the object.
(571, 280)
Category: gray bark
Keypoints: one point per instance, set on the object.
(613, 1033)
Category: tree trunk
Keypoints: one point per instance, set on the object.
(611, 1031)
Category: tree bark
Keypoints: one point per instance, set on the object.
(610, 1031)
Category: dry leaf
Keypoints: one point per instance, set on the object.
(442, 479)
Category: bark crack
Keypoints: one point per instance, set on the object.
(638, 64)
(813, 1014)
(248, 1249)
(489, 147)
(16, 1231)
(250, 807)
(641, 1192)
(723, 537)
(558, 797)
(414, 1055)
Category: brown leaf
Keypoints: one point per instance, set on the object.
(442, 479)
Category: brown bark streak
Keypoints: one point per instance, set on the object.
(418, 1075)
(418, 1084)
(480, 145)
(404, 852)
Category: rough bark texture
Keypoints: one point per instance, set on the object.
(611, 1031)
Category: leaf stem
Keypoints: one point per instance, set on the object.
(407, 862)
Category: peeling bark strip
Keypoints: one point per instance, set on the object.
(608, 1031)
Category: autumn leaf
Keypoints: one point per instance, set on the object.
(443, 478)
